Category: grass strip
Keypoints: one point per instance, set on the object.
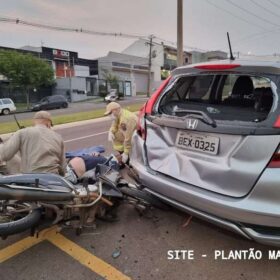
(75, 117)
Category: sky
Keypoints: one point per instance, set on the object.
(254, 25)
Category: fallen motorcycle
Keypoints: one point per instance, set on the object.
(30, 201)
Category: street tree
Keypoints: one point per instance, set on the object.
(112, 79)
(25, 71)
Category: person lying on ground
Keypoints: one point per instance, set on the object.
(78, 166)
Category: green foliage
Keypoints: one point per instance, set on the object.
(25, 71)
(103, 91)
(164, 74)
(111, 78)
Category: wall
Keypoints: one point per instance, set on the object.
(78, 85)
(124, 69)
(81, 71)
(141, 49)
(198, 57)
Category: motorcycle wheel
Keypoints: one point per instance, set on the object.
(144, 196)
(17, 217)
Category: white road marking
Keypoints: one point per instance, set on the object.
(84, 137)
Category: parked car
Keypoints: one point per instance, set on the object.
(7, 106)
(207, 142)
(112, 96)
(51, 102)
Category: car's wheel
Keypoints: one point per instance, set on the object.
(64, 105)
(18, 217)
(5, 111)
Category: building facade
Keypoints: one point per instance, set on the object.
(164, 57)
(198, 57)
(132, 70)
(75, 77)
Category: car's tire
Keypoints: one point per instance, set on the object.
(144, 196)
(26, 222)
(6, 111)
(65, 105)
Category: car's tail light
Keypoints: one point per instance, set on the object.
(275, 160)
(277, 123)
(151, 102)
(217, 66)
(148, 108)
(141, 127)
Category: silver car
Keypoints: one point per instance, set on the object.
(207, 142)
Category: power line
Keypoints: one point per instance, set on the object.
(68, 29)
(266, 31)
(273, 3)
(175, 44)
(85, 31)
(262, 34)
(251, 13)
(264, 8)
(232, 14)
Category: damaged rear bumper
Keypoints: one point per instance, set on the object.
(255, 216)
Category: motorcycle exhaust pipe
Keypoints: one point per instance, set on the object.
(32, 194)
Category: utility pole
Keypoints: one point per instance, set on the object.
(70, 77)
(150, 43)
(180, 61)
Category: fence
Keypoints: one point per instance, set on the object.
(76, 89)
(18, 96)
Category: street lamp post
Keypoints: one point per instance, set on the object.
(180, 61)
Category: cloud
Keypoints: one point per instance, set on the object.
(204, 25)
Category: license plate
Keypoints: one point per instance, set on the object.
(198, 142)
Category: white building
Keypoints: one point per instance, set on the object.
(164, 57)
(131, 69)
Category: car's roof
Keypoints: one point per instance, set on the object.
(243, 66)
(54, 96)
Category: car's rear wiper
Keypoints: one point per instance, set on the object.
(197, 115)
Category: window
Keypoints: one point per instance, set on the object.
(6, 101)
(193, 89)
(229, 82)
(221, 96)
(57, 98)
(119, 64)
(140, 67)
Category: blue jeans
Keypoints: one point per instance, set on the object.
(92, 161)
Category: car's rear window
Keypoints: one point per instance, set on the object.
(221, 96)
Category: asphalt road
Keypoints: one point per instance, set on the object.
(143, 242)
(75, 108)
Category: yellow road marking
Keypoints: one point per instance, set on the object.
(18, 248)
(86, 258)
(78, 253)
